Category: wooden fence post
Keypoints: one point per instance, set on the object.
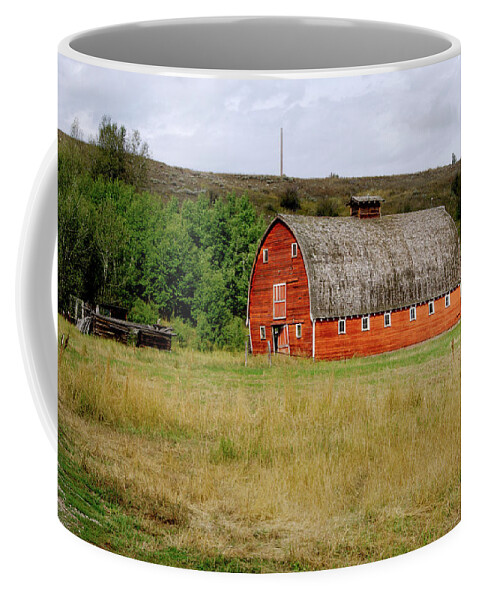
(269, 353)
(246, 353)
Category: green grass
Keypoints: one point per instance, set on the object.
(215, 367)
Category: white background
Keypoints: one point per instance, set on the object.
(39, 557)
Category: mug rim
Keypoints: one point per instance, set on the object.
(65, 49)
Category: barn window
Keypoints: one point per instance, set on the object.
(387, 319)
(299, 330)
(265, 255)
(412, 313)
(262, 332)
(431, 307)
(365, 324)
(341, 326)
(279, 301)
(447, 300)
(294, 250)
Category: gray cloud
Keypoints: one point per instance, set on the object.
(396, 122)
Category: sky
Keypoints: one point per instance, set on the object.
(399, 122)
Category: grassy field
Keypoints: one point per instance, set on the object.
(190, 459)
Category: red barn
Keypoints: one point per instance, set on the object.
(336, 287)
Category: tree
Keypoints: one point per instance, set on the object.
(210, 305)
(112, 248)
(75, 244)
(143, 312)
(137, 154)
(453, 159)
(120, 155)
(111, 144)
(75, 132)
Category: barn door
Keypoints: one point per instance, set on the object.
(281, 339)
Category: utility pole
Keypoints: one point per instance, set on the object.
(281, 153)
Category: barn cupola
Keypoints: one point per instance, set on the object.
(365, 207)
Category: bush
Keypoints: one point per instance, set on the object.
(456, 192)
(327, 208)
(456, 185)
(235, 334)
(290, 198)
(186, 336)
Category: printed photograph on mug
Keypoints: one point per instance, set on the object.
(259, 297)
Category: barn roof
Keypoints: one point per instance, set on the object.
(358, 267)
(365, 200)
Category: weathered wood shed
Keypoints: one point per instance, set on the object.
(141, 335)
(126, 332)
(365, 207)
(335, 287)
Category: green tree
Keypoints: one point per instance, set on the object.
(120, 155)
(143, 312)
(136, 159)
(111, 245)
(75, 244)
(210, 305)
(111, 145)
(75, 132)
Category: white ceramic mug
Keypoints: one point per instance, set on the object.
(283, 122)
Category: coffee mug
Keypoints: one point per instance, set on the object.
(259, 291)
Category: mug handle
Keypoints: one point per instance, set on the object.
(35, 322)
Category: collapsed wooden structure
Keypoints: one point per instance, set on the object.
(126, 332)
(90, 321)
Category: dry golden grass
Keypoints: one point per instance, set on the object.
(300, 465)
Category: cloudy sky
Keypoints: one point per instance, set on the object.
(398, 122)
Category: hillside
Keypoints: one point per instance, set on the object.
(402, 193)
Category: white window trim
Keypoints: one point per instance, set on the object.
(411, 318)
(262, 329)
(389, 314)
(339, 327)
(275, 302)
(362, 323)
(294, 250)
(429, 304)
(299, 328)
(265, 256)
(447, 300)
